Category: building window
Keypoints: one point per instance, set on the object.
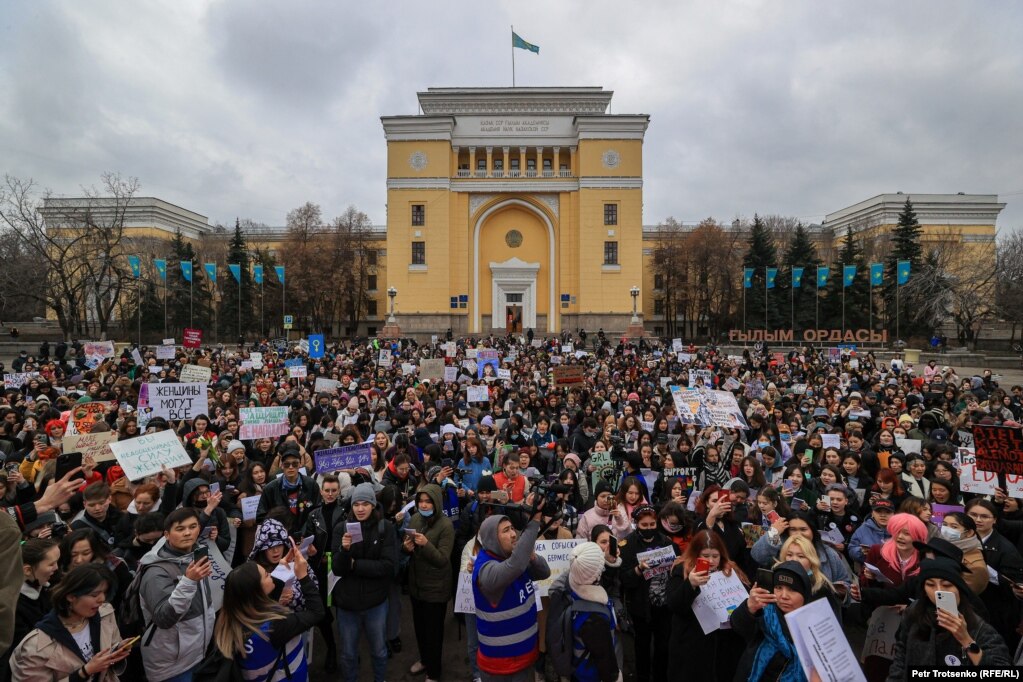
(371, 308)
(610, 214)
(418, 215)
(371, 282)
(371, 331)
(658, 281)
(610, 253)
(418, 253)
(658, 306)
(658, 331)
(371, 257)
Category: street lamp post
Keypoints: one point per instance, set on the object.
(391, 293)
(634, 292)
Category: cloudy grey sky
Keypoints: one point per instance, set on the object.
(240, 108)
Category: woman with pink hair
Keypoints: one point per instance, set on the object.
(897, 560)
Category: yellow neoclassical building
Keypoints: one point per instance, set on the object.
(514, 208)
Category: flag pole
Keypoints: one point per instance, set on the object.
(513, 55)
(792, 306)
(138, 282)
(261, 324)
(817, 300)
(897, 287)
(844, 286)
(766, 277)
(166, 293)
(191, 307)
(871, 317)
(239, 302)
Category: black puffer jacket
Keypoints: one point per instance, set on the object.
(367, 568)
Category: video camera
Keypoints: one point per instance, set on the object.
(544, 495)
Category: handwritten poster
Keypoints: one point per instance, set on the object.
(146, 455)
(717, 599)
(263, 422)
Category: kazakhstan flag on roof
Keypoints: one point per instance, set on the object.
(522, 44)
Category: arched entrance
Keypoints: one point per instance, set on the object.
(513, 269)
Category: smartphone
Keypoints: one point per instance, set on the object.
(499, 496)
(702, 565)
(214, 488)
(612, 546)
(68, 462)
(411, 532)
(808, 455)
(125, 644)
(765, 578)
(772, 517)
(201, 552)
(946, 601)
(724, 496)
(787, 484)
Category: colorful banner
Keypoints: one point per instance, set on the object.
(747, 278)
(135, 263)
(262, 422)
(316, 346)
(331, 460)
(797, 278)
(186, 270)
(822, 276)
(848, 275)
(192, 338)
(772, 275)
(211, 272)
(998, 449)
(903, 272)
(257, 274)
(161, 268)
(280, 273)
(876, 274)
(236, 271)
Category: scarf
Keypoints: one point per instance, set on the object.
(776, 644)
(288, 486)
(715, 473)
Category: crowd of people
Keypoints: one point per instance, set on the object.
(838, 478)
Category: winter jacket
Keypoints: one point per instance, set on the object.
(704, 657)
(911, 651)
(49, 652)
(833, 566)
(429, 572)
(218, 519)
(642, 595)
(367, 569)
(867, 535)
(274, 495)
(181, 610)
(596, 516)
(272, 533)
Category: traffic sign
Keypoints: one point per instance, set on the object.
(289, 321)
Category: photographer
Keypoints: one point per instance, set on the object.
(502, 586)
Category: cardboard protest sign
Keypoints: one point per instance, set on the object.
(998, 449)
(98, 349)
(717, 599)
(257, 360)
(450, 374)
(192, 338)
(432, 369)
(18, 380)
(166, 352)
(85, 415)
(487, 363)
(477, 394)
(146, 455)
(195, 374)
(557, 553)
(707, 408)
(881, 629)
(407, 368)
(298, 372)
(465, 602)
(348, 457)
(262, 422)
(136, 357)
(972, 479)
(325, 385)
(676, 345)
(250, 505)
(93, 445)
(566, 375)
(659, 560)
(605, 469)
(698, 377)
(504, 374)
(177, 401)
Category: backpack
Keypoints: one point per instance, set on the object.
(130, 620)
(561, 613)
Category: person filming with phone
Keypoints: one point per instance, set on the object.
(78, 640)
(176, 600)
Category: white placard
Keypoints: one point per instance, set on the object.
(465, 602)
(165, 352)
(450, 374)
(717, 599)
(195, 374)
(476, 394)
(178, 401)
(659, 560)
(909, 445)
(407, 368)
(146, 455)
(16, 381)
(971, 479)
(831, 440)
(821, 644)
(298, 372)
(325, 385)
(504, 374)
(250, 505)
(257, 360)
(558, 554)
(136, 357)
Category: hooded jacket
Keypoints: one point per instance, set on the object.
(218, 519)
(181, 610)
(867, 535)
(49, 652)
(272, 533)
(597, 516)
(274, 495)
(368, 568)
(429, 572)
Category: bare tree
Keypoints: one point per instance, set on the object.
(1009, 280)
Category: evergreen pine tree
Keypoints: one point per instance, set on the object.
(235, 310)
(760, 255)
(801, 252)
(857, 295)
(905, 242)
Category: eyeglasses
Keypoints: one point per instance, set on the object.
(289, 465)
(981, 517)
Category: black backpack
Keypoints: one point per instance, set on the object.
(561, 612)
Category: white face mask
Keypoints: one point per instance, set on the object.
(951, 534)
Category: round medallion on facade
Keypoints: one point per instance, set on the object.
(417, 161)
(611, 159)
(513, 239)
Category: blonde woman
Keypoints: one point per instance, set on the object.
(798, 548)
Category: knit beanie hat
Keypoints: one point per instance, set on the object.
(235, 445)
(584, 571)
(487, 484)
(364, 493)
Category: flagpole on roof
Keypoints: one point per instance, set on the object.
(513, 55)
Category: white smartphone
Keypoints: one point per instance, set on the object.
(946, 601)
(214, 488)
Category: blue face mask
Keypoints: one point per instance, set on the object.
(809, 392)
(426, 513)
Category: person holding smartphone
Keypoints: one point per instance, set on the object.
(941, 628)
(82, 619)
(175, 596)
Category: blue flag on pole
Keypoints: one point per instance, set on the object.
(280, 273)
(186, 270)
(903, 274)
(136, 266)
(797, 277)
(772, 274)
(747, 278)
(876, 274)
(161, 268)
(211, 272)
(523, 45)
(315, 346)
(257, 274)
(822, 276)
(848, 275)
(236, 271)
